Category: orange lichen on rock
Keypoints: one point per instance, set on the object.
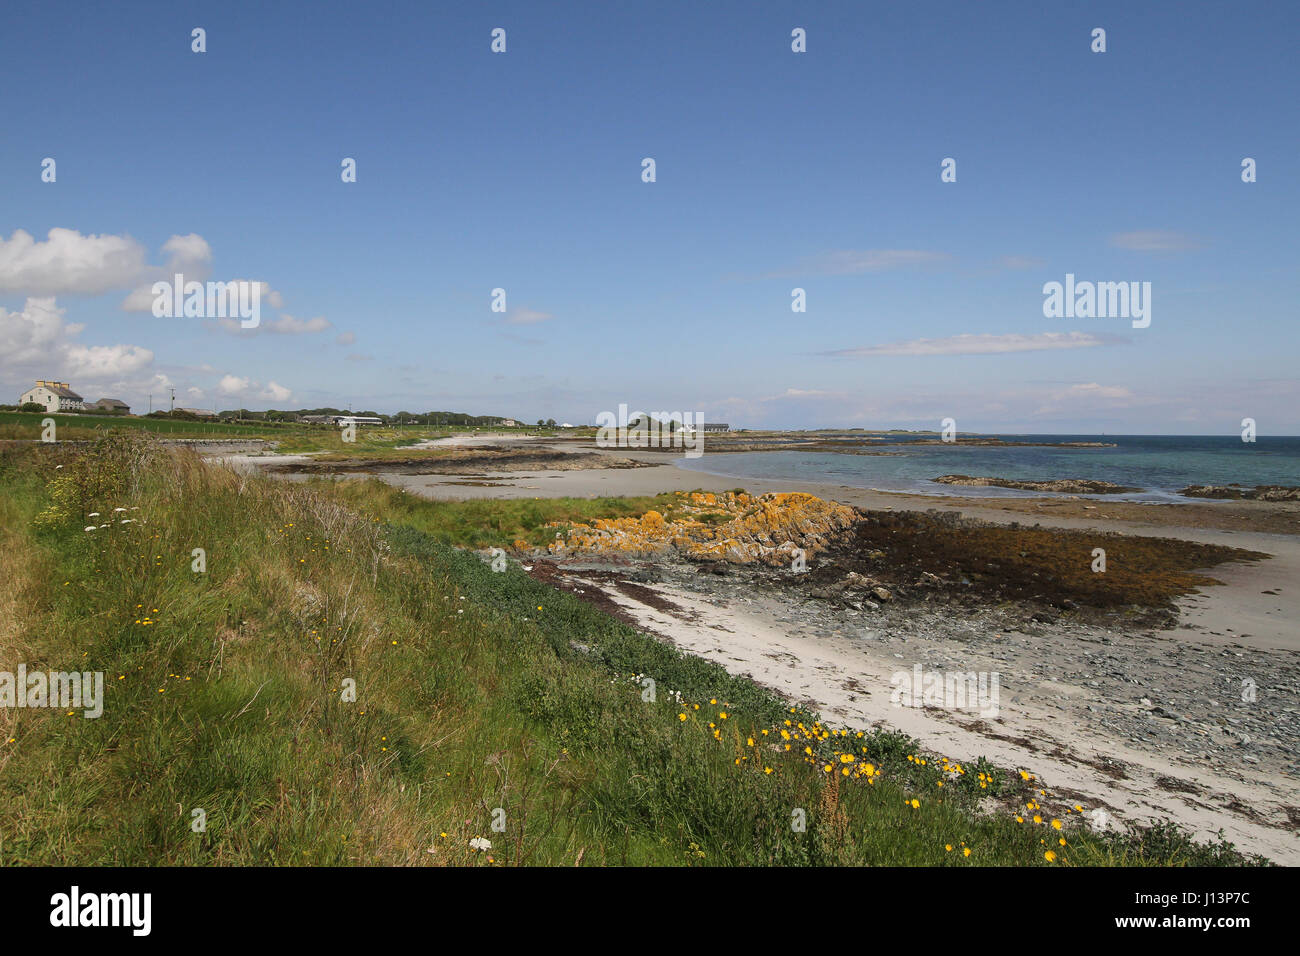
(733, 527)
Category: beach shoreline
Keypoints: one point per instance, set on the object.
(1210, 768)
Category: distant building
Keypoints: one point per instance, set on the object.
(509, 423)
(199, 412)
(55, 396)
(716, 427)
(114, 405)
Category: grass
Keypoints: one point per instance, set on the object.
(479, 696)
(484, 523)
(28, 426)
(289, 437)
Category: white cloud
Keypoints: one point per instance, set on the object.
(275, 392)
(1155, 240)
(1085, 399)
(284, 325)
(985, 344)
(189, 253)
(346, 338)
(105, 361)
(233, 385)
(189, 256)
(1093, 390)
(37, 339)
(526, 317)
(288, 325)
(243, 387)
(67, 262)
(142, 298)
(802, 393)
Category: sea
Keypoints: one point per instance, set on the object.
(1159, 465)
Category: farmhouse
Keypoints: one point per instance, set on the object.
(113, 405)
(55, 396)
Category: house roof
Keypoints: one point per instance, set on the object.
(113, 401)
(64, 392)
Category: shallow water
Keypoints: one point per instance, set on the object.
(1158, 464)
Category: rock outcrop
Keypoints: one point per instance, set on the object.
(733, 527)
(1237, 492)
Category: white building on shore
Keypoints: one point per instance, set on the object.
(55, 396)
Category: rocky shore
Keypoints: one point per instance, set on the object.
(1073, 486)
(456, 461)
(1098, 695)
(1240, 493)
(866, 557)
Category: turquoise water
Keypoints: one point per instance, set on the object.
(1158, 464)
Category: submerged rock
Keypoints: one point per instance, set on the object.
(1075, 486)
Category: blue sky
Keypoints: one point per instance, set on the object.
(775, 170)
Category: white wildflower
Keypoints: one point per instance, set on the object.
(478, 843)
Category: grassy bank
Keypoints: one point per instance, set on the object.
(486, 523)
(292, 437)
(481, 696)
(28, 426)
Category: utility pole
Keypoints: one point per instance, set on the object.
(151, 403)
(173, 405)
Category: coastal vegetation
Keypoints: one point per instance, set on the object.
(336, 683)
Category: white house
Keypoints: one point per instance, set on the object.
(55, 396)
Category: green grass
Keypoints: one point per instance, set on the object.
(375, 441)
(476, 691)
(290, 437)
(27, 425)
(484, 523)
